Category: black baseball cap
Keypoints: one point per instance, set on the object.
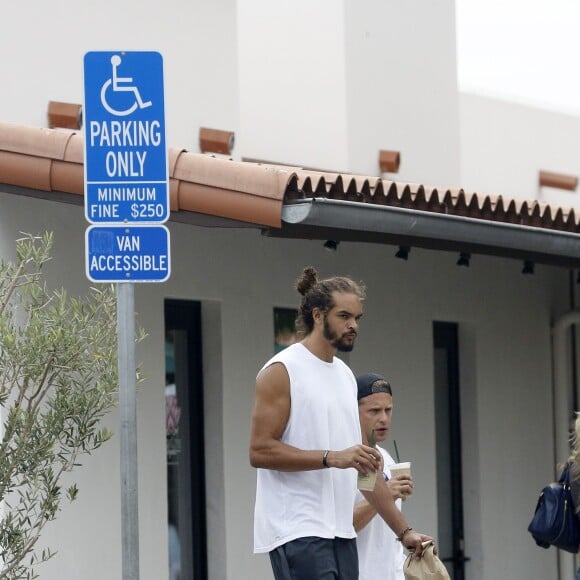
(371, 383)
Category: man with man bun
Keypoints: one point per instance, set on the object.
(306, 443)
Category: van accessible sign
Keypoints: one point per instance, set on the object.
(126, 177)
(127, 253)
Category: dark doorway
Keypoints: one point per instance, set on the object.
(448, 445)
(185, 441)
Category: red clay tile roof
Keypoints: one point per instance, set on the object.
(51, 160)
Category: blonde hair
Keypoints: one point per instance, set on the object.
(574, 458)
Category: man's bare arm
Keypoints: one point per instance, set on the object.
(364, 512)
(400, 487)
(382, 501)
(269, 419)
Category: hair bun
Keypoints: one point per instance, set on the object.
(307, 280)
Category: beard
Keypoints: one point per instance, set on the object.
(337, 342)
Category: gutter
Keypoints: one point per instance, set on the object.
(355, 221)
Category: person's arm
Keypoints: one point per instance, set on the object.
(382, 501)
(364, 512)
(269, 419)
(400, 487)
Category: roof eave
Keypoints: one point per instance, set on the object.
(321, 219)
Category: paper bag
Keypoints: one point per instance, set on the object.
(429, 567)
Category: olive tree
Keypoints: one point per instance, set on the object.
(58, 378)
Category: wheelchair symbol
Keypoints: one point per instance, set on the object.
(119, 85)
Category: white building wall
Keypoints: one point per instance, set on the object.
(505, 145)
(292, 82)
(329, 84)
(506, 368)
(402, 88)
(42, 57)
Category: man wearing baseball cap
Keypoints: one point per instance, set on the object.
(380, 554)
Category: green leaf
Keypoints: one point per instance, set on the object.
(58, 361)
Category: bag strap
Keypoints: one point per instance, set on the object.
(565, 476)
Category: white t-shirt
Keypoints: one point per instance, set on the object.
(380, 555)
(323, 415)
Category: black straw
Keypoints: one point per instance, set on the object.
(396, 451)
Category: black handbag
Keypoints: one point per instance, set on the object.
(555, 522)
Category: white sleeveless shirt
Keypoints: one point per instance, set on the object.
(323, 415)
(380, 555)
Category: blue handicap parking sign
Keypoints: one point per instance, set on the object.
(126, 175)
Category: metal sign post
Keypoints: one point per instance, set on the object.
(126, 198)
(128, 426)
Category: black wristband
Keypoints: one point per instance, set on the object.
(324, 457)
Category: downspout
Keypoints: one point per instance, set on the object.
(562, 412)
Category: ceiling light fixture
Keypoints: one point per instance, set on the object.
(331, 245)
(464, 258)
(403, 252)
(528, 267)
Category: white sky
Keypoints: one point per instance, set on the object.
(526, 51)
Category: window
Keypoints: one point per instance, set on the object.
(185, 441)
(284, 328)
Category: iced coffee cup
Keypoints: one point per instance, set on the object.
(400, 469)
(367, 482)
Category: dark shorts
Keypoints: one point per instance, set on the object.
(316, 559)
